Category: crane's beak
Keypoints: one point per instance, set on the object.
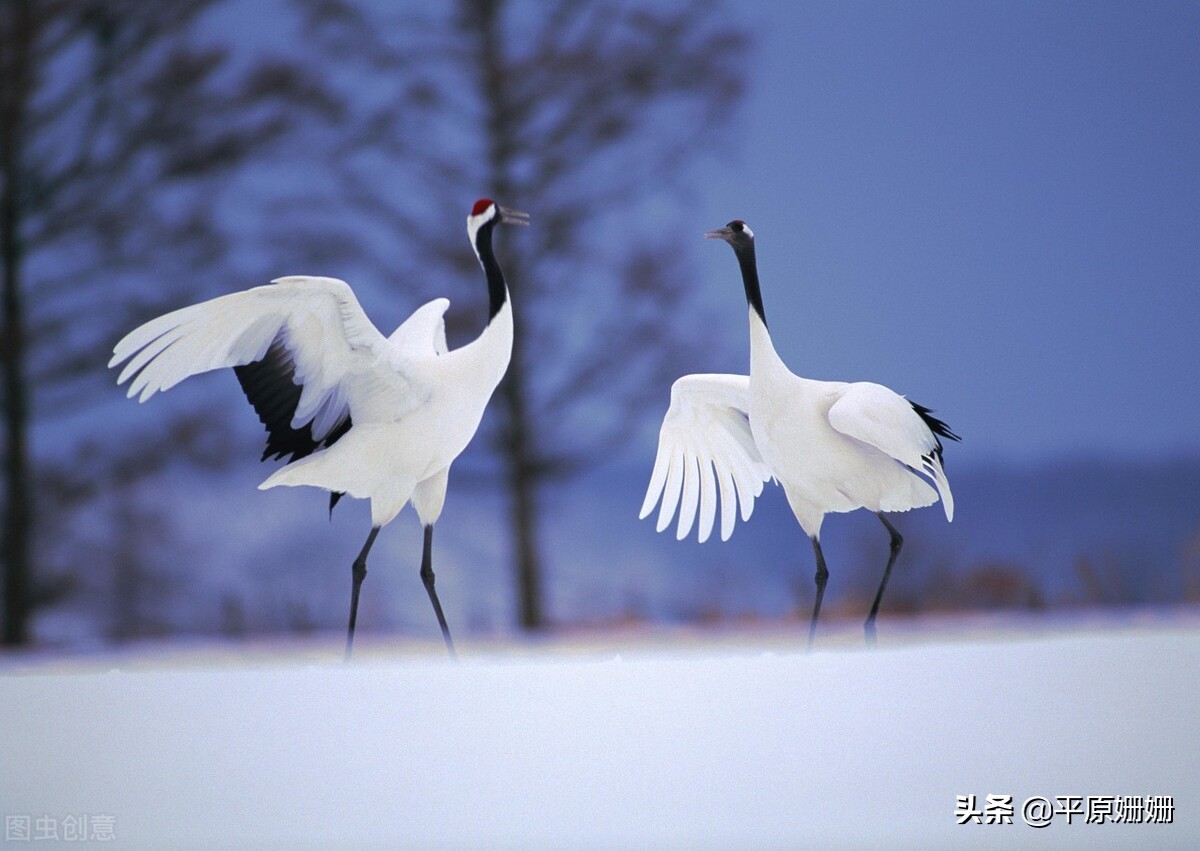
(720, 233)
(512, 217)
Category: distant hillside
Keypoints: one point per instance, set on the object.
(244, 561)
(1067, 533)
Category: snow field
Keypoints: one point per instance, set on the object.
(745, 742)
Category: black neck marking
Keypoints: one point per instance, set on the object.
(497, 290)
(749, 266)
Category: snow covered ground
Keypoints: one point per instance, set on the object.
(657, 740)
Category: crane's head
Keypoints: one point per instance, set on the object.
(741, 239)
(487, 212)
(737, 233)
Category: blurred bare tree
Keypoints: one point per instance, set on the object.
(118, 124)
(586, 114)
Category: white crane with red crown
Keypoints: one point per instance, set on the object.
(378, 418)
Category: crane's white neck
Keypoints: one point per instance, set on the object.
(763, 357)
(764, 361)
(491, 351)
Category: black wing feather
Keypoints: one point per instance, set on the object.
(270, 386)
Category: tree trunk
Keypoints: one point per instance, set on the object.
(519, 444)
(14, 87)
(522, 488)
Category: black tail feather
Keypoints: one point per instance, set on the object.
(938, 427)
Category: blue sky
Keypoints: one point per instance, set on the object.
(993, 208)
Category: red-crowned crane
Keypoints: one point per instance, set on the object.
(378, 418)
(833, 446)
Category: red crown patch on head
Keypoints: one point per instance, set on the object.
(481, 205)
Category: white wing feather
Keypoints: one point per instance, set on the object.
(886, 420)
(318, 320)
(706, 454)
(424, 332)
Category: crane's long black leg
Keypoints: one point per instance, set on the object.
(358, 572)
(897, 542)
(821, 577)
(427, 578)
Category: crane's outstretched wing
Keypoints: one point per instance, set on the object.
(305, 353)
(706, 431)
(897, 427)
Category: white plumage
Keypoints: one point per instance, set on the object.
(833, 446)
(706, 452)
(340, 360)
(378, 418)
